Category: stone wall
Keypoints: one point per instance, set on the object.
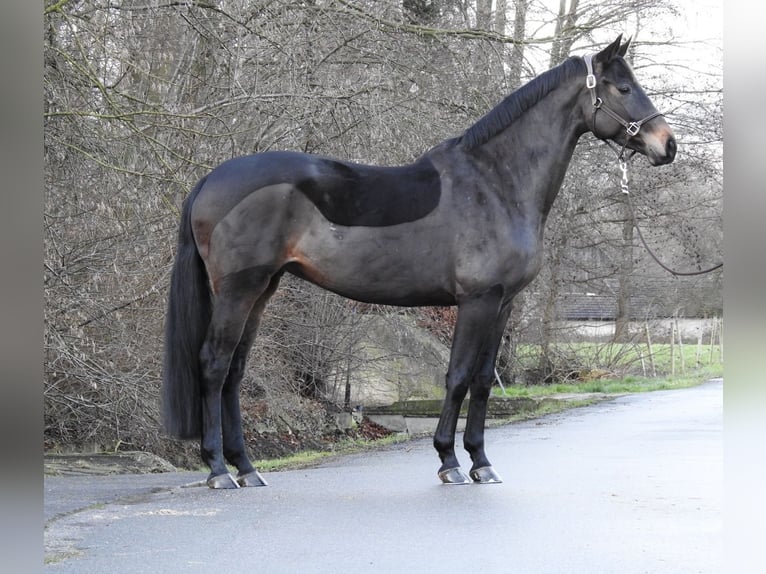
(397, 361)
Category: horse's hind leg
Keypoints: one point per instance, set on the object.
(473, 438)
(235, 298)
(233, 441)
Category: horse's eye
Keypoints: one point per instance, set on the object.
(624, 89)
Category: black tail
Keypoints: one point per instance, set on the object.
(188, 317)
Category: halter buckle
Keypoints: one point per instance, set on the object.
(590, 81)
(633, 128)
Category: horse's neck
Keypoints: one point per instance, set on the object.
(532, 155)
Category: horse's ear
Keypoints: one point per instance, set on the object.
(624, 48)
(605, 55)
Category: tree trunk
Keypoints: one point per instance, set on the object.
(484, 14)
(501, 7)
(546, 364)
(622, 317)
(564, 35)
(517, 55)
(421, 11)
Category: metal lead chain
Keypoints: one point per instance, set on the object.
(624, 182)
(624, 188)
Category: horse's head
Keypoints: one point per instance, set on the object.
(619, 109)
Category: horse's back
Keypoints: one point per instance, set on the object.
(345, 193)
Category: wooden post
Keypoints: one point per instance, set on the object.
(672, 348)
(347, 390)
(720, 338)
(649, 347)
(680, 345)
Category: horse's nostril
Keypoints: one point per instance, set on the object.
(670, 147)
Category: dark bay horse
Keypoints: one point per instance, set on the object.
(462, 225)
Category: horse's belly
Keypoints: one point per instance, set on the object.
(390, 266)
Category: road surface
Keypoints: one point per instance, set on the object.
(631, 485)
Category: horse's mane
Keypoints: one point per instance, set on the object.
(518, 102)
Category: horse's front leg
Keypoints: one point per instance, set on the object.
(468, 343)
(473, 438)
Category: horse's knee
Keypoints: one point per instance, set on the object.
(457, 385)
(480, 391)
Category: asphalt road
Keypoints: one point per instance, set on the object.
(631, 485)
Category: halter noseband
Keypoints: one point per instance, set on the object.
(632, 128)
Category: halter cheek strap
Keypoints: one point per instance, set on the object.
(632, 128)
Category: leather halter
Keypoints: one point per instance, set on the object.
(631, 128)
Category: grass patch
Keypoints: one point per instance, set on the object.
(309, 458)
(629, 383)
(626, 358)
(608, 386)
(61, 556)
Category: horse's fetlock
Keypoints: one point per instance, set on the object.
(473, 444)
(444, 443)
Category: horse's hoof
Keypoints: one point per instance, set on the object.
(485, 475)
(454, 476)
(253, 478)
(222, 481)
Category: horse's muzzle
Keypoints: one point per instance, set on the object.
(659, 144)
